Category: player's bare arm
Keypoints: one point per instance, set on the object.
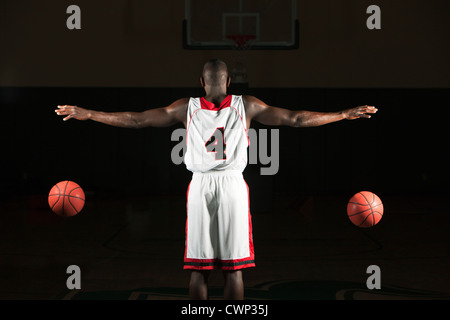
(268, 115)
(158, 117)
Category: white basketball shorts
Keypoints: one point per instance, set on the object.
(218, 224)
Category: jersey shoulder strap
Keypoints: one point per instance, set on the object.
(237, 102)
(193, 106)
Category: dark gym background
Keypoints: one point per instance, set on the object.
(125, 60)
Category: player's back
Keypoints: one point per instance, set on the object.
(216, 135)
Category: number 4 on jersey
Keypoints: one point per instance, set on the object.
(216, 143)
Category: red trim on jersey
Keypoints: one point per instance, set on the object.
(210, 264)
(244, 125)
(211, 106)
(187, 127)
(187, 217)
(206, 105)
(250, 233)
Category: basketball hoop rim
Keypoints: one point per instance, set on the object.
(241, 41)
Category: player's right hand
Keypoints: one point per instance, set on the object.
(73, 112)
(360, 112)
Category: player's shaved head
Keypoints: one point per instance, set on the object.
(215, 73)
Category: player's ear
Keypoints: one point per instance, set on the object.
(202, 82)
(228, 81)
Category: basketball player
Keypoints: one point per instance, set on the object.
(218, 226)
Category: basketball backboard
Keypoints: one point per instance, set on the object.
(227, 24)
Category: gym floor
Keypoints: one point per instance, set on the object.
(133, 249)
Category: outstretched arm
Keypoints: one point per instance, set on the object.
(268, 115)
(159, 117)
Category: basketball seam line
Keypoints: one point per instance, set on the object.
(74, 189)
(354, 214)
(364, 220)
(73, 206)
(64, 194)
(69, 196)
(59, 196)
(73, 197)
(362, 205)
(378, 206)
(373, 200)
(371, 211)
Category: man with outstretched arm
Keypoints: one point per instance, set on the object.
(218, 225)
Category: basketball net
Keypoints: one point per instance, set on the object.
(241, 43)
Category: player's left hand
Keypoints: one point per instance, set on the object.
(359, 112)
(73, 112)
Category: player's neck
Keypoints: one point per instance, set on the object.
(216, 96)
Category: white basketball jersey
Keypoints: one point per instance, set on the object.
(216, 136)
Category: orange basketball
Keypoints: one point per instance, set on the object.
(66, 198)
(365, 209)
